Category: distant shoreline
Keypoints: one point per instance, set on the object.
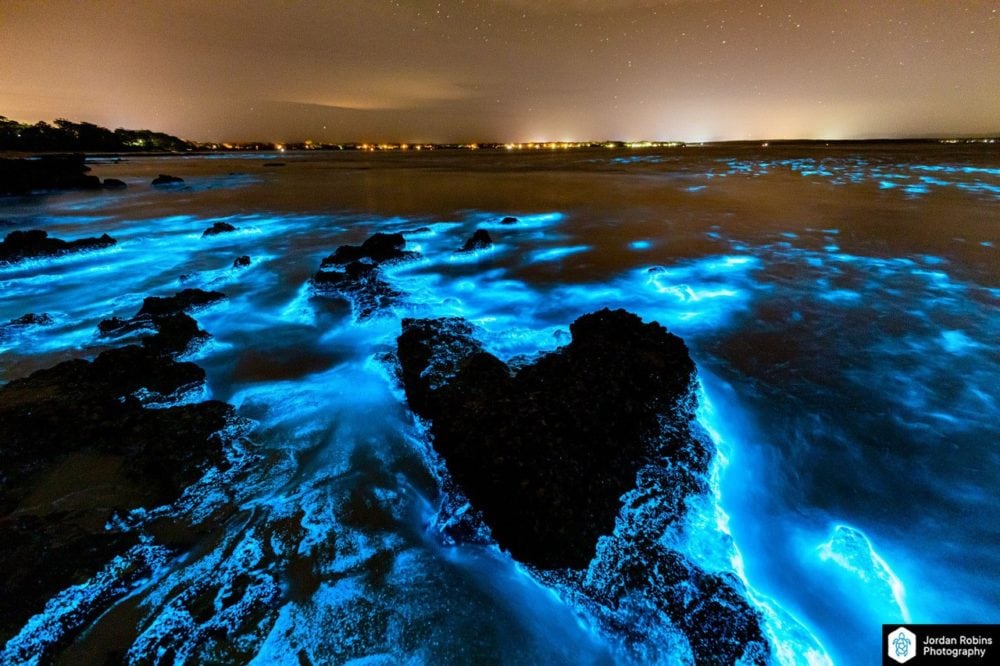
(508, 148)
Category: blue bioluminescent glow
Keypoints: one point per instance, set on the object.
(845, 343)
(849, 549)
(556, 253)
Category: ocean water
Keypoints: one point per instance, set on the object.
(841, 304)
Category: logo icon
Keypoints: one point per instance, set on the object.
(902, 645)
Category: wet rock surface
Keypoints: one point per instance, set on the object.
(176, 332)
(355, 271)
(362, 283)
(218, 228)
(81, 443)
(480, 240)
(32, 319)
(183, 301)
(35, 243)
(166, 180)
(378, 249)
(635, 582)
(548, 452)
(48, 172)
(24, 323)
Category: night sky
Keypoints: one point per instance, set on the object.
(509, 70)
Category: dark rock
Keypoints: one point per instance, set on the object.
(114, 184)
(480, 240)
(84, 434)
(166, 180)
(218, 228)
(32, 319)
(711, 609)
(362, 283)
(175, 332)
(379, 248)
(20, 245)
(546, 453)
(241, 262)
(183, 301)
(354, 271)
(23, 322)
(117, 327)
(49, 172)
(509, 220)
(83, 426)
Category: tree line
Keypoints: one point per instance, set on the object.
(65, 135)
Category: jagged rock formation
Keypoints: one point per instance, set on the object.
(35, 243)
(355, 272)
(480, 240)
(79, 444)
(176, 332)
(218, 228)
(378, 249)
(547, 452)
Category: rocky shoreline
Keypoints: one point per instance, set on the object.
(85, 443)
(35, 243)
(579, 463)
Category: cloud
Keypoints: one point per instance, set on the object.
(391, 91)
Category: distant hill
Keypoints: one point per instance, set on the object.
(66, 136)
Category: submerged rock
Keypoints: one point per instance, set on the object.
(166, 180)
(415, 232)
(547, 453)
(355, 271)
(114, 184)
(23, 322)
(218, 228)
(49, 172)
(32, 319)
(20, 245)
(480, 240)
(509, 220)
(241, 261)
